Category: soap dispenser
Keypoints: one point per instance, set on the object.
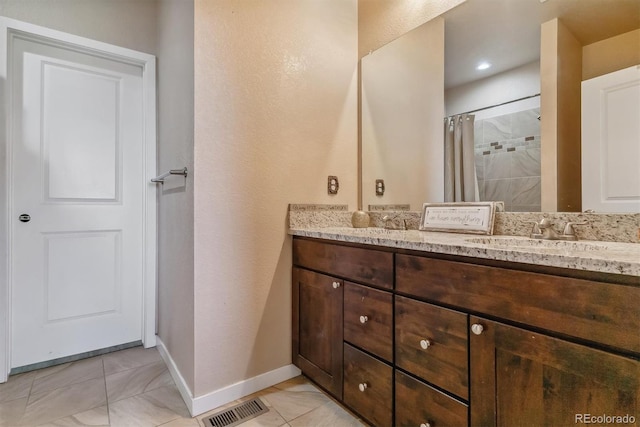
(360, 219)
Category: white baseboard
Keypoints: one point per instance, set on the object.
(209, 401)
(201, 404)
(183, 388)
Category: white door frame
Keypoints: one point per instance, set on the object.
(148, 64)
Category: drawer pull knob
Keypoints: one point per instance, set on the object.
(477, 328)
(364, 319)
(427, 424)
(336, 285)
(425, 344)
(362, 386)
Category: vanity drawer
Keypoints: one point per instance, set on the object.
(368, 386)
(367, 266)
(432, 343)
(588, 309)
(368, 319)
(419, 404)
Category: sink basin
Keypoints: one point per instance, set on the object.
(554, 246)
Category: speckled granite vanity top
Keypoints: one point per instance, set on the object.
(606, 257)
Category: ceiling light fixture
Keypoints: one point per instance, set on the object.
(483, 66)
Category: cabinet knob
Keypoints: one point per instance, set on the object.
(363, 386)
(425, 344)
(427, 424)
(364, 319)
(336, 285)
(477, 328)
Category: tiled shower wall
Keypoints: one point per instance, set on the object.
(507, 151)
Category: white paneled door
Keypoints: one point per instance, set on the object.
(77, 200)
(611, 142)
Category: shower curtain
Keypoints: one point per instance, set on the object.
(460, 183)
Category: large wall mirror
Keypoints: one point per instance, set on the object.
(413, 86)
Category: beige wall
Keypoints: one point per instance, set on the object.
(380, 22)
(560, 74)
(175, 200)
(402, 111)
(126, 23)
(548, 109)
(569, 132)
(613, 54)
(275, 114)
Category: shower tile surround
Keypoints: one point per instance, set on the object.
(606, 227)
(507, 153)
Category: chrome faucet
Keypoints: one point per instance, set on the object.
(389, 224)
(544, 230)
(547, 232)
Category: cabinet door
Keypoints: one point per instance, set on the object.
(317, 328)
(520, 377)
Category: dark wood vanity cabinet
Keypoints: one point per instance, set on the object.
(437, 340)
(320, 273)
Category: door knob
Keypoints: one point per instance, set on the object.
(24, 218)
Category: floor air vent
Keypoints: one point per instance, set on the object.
(237, 414)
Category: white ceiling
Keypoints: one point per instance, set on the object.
(506, 33)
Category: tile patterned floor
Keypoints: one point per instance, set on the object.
(133, 388)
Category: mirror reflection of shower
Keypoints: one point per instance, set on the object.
(507, 157)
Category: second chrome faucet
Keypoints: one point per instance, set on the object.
(544, 230)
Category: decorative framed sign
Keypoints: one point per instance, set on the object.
(464, 217)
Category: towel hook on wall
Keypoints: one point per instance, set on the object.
(160, 178)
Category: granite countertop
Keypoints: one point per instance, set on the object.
(606, 257)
